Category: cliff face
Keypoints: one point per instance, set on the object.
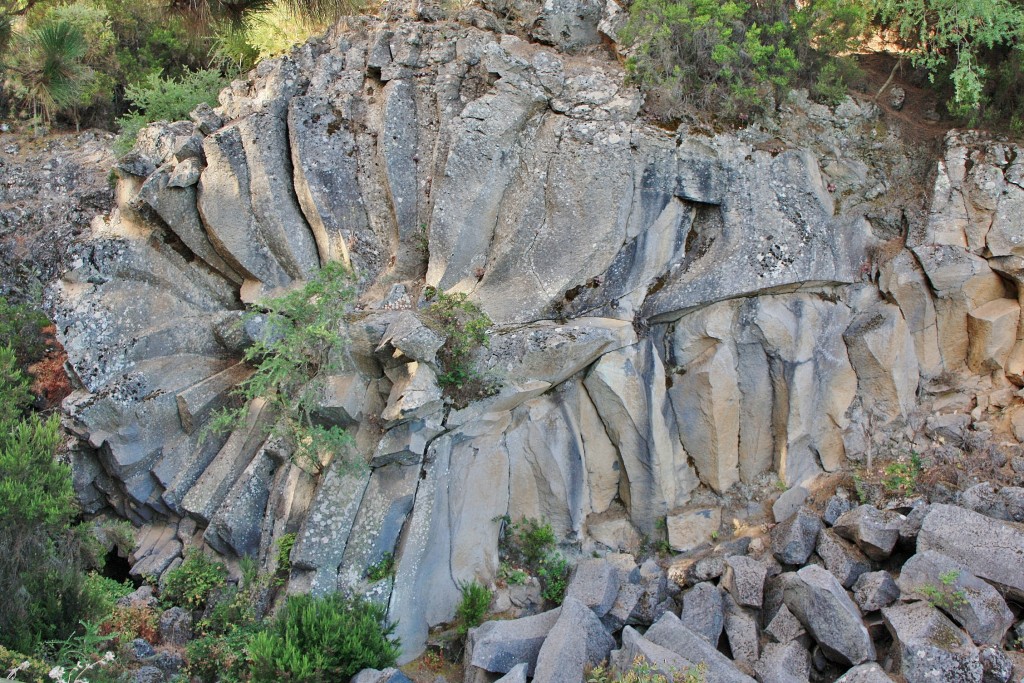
(673, 310)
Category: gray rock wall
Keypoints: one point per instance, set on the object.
(672, 310)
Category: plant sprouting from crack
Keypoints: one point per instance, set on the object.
(298, 347)
(465, 328)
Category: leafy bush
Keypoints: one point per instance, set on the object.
(553, 573)
(159, 98)
(476, 599)
(318, 640)
(299, 345)
(41, 568)
(902, 476)
(106, 592)
(734, 58)
(382, 568)
(190, 584)
(48, 69)
(530, 544)
(953, 36)
(28, 668)
(220, 657)
(465, 327)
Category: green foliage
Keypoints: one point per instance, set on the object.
(709, 55)
(41, 566)
(642, 671)
(901, 476)
(283, 560)
(476, 599)
(529, 544)
(465, 327)
(157, 98)
(951, 37)
(220, 658)
(553, 573)
(29, 669)
(300, 344)
(735, 58)
(944, 597)
(48, 68)
(382, 568)
(190, 584)
(323, 639)
(106, 592)
(513, 576)
(528, 541)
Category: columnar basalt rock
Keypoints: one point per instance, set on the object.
(671, 310)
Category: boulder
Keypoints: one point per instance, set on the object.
(389, 675)
(992, 330)
(669, 632)
(999, 502)
(788, 503)
(842, 558)
(957, 533)
(929, 647)
(498, 646)
(595, 583)
(516, 675)
(996, 665)
(874, 531)
(703, 611)
(742, 632)
(818, 600)
(865, 673)
(794, 540)
(576, 641)
(693, 527)
(788, 662)
(663, 660)
(837, 505)
(784, 627)
(744, 579)
(175, 627)
(968, 600)
(874, 590)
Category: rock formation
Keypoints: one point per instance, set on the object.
(672, 309)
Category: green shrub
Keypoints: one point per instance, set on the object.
(530, 544)
(476, 599)
(106, 592)
(382, 568)
(956, 38)
(191, 583)
(733, 58)
(21, 330)
(29, 669)
(707, 55)
(159, 98)
(465, 328)
(553, 573)
(901, 476)
(222, 658)
(300, 344)
(321, 640)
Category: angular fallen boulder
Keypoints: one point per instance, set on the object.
(818, 600)
(928, 647)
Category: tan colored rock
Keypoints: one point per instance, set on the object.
(1015, 364)
(706, 396)
(693, 527)
(882, 352)
(628, 390)
(902, 279)
(962, 282)
(993, 332)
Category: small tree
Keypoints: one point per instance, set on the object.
(48, 66)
